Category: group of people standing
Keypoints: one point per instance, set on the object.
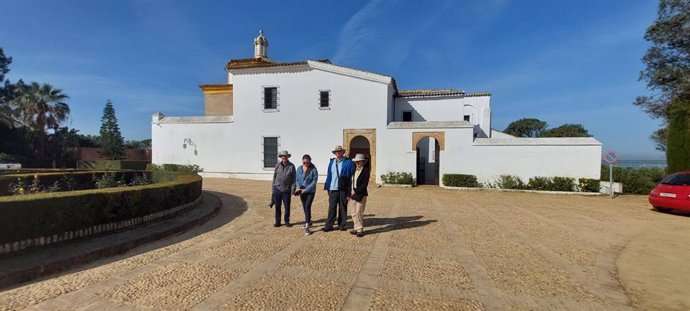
(346, 181)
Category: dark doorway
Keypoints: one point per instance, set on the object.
(428, 161)
(360, 144)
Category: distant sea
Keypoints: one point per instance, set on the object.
(640, 163)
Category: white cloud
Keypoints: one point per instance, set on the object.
(357, 32)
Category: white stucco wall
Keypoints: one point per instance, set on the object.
(300, 124)
(209, 136)
(488, 158)
(447, 108)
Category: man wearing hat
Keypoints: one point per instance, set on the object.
(339, 185)
(283, 185)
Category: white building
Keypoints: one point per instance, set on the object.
(311, 106)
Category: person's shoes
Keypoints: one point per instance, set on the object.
(326, 229)
(353, 232)
(306, 231)
(343, 229)
(276, 225)
(360, 234)
(287, 224)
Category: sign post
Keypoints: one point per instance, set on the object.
(610, 157)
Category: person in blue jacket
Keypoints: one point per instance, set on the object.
(339, 186)
(307, 176)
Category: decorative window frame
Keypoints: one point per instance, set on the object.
(263, 98)
(263, 154)
(330, 100)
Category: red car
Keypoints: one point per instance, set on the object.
(673, 193)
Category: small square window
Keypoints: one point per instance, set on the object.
(270, 98)
(467, 118)
(407, 116)
(270, 151)
(324, 99)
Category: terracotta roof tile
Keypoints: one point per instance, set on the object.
(479, 94)
(437, 93)
(262, 63)
(425, 93)
(220, 86)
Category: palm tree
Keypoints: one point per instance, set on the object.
(41, 107)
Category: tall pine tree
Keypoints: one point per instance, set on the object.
(678, 146)
(112, 143)
(667, 74)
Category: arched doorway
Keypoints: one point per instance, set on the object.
(360, 144)
(428, 161)
(362, 141)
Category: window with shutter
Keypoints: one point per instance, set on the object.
(324, 99)
(270, 151)
(270, 98)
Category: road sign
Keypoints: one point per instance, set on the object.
(610, 157)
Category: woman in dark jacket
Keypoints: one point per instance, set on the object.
(360, 181)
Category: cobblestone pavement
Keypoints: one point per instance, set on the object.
(425, 248)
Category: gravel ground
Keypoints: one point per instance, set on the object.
(272, 292)
(176, 286)
(426, 249)
(390, 300)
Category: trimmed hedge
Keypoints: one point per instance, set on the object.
(460, 180)
(589, 185)
(82, 179)
(31, 216)
(510, 182)
(398, 178)
(113, 165)
(552, 183)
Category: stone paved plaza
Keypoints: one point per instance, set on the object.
(426, 248)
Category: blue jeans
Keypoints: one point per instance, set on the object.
(280, 198)
(307, 199)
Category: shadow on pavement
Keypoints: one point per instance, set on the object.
(395, 223)
(389, 224)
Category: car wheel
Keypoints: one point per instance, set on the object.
(663, 209)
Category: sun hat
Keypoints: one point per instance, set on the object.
(338, 148)
(284, 153)
(359, 157)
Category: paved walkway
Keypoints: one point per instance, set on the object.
(426, 248)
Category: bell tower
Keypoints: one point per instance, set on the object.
(260, 46)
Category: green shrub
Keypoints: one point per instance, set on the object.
(556, 183)
(113, 165)
(69, 180)
(588, 185)
(106, 180)
(140, 180)
(539, 183)
(562, 184)
(635, 180)
(509, 182)
(398, 178)
(44, 214)
(169, 172)
(460, 180)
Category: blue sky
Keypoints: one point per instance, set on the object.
(559, 61)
